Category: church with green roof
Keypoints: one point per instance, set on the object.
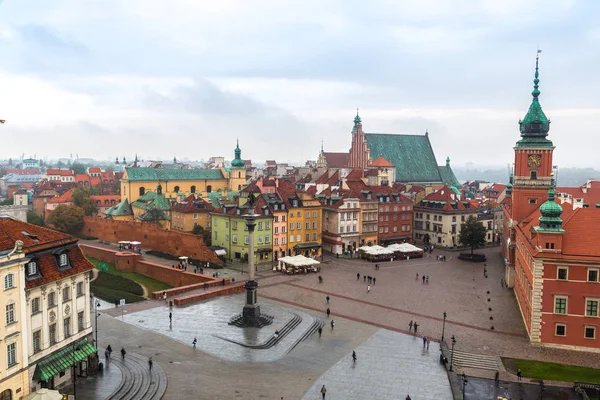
(412, 155)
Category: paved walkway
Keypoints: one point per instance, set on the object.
(390, 366)
(484, 389)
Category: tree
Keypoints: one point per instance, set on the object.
(10, 162)
(81, 198)
(33, 218)
(78, 168)
(67, 218)
(472, 234)
(198, 230)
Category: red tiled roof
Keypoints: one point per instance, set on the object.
(53, 171)
(112, 199)
(382, 162)
(447, 196)
(337, 159)
(355, 175)
(312, 190)
(66, 197)
(94, 169)
(193, 205)
(82, 178)
(39, 238)
(66, 172)
(49, 269)
(591, 197)
(583, 231)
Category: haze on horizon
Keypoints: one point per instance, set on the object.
(114, 78)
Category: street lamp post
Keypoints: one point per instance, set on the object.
(443, 326)
(542, 388)
(465, 381)
(96, 315)
(75, 348)
(452, 354)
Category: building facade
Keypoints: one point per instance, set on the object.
(341, 214)
(438, 217)
(14, 376)
(191, 212)
(551, 252)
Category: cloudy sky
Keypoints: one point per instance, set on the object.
(108, 78)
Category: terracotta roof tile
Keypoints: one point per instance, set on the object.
(381, 162)
(336, 159)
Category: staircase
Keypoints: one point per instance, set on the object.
(480, 361)
(138, 381)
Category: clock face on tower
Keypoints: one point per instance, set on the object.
(534, 160)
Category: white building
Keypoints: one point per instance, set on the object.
(30, 163)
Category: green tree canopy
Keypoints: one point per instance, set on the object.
(34, 218)
(472, 234)
(67, 218)
(78, 168)
(81, 198)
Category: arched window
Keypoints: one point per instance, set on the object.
(208, 189)
(176, 189)
(142, 191)
(239, 174)
(6, 395)
(193, 189)
(239, 188)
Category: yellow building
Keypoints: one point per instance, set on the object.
(305, 219)
(14, 376)
(190, 213)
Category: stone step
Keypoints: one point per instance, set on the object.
(480, 361)
(138, 382)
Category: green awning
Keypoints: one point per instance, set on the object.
(63, 359)
(307, 245)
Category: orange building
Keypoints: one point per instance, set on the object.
(551, 252)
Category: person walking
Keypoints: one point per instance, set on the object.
(410, 324)
(123, 352)
(416, 327)
(373, 280)
(353, 356)
(424, 341)
(358, 276)
(106, 356)
(328, 312)
(423, 278)
(428, 340)
(332, 324)
(320, 331)
(327, 299)
(519, 374)
(427, 280)
(368, 288)
(417, 278)
(323, 392)
(194, 343)
(150, 364)
(497, 377)
(170, 316)
(364, 278)
(109, 349)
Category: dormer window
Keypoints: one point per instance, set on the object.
(63, 260)
(32, 268)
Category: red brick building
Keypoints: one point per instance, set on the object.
(395, 216)
(551, 252)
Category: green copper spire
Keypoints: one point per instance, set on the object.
(237, 161)
(509, 186)
(551, 212)
(357, 118)
(535, 125)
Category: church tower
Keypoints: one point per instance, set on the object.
(533, 159)
(360, 155)
(237, 175)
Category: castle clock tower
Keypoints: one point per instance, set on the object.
(533, 159)
(237, 176)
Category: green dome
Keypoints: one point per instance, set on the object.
(237, 161)
(551, 209)
(551, 212)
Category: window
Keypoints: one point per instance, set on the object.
(216, 235)
(52, 334)
(234, 225)
(533, 175)
(267, 239)
(314, 225)
(562, 273)
(35, 305)
(291, 238)
(9, 281)
(226, 237)
(276, 241)
(79, 289)
(291, 226)
(283, 218)
(37, 341)
(298, 213)
(10, 313)
(234, 238)
(245, 239)
(314, 236)
(142, 191)
(80, 319)
(532, 201)
(176, 189)
(560, 330)
(67, 327)
(32, 268)
(227, 224)
(11, 354)
(307, 237)
(592, 275)
(66, 293)
(308, 214)
(209, 189)
(314, 214)
(268, 225)
(277, 216)
(193, 189)
(283, 240)
(590, 332)
(307, 225)
(260, 226)
(560, 305)
(283, 228)
(195, 216)
(298, 239)
(591, 308)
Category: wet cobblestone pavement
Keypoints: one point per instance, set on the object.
(390, 365)
(208, 323)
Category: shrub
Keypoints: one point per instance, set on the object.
(112, 296)
(118, 283)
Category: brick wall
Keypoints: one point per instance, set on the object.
(151, 236)
(172, 276)
(99, 253)
(237, 288)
